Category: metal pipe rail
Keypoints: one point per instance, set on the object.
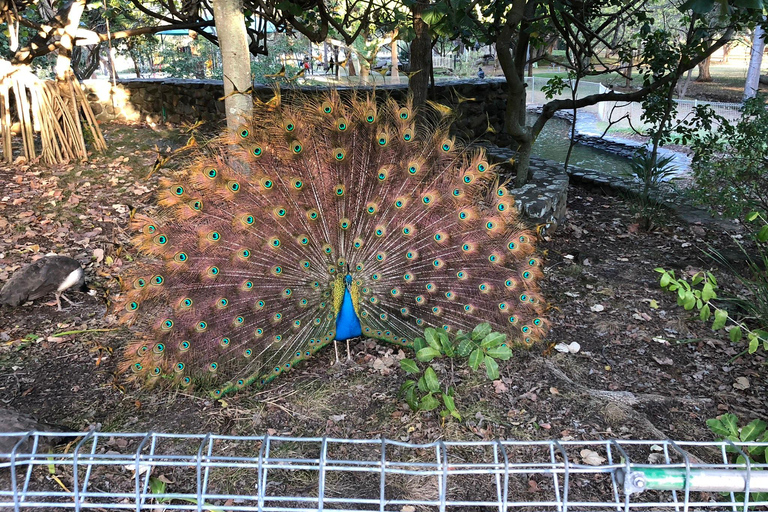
(159, 471)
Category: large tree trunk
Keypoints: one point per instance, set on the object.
(236, 60)
(395, 72)
(64, 59)
(421, 55)
(755, 60)
(704, 74)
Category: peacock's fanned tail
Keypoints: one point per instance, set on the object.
(246, 274)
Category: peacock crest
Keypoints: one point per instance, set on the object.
(323, 219)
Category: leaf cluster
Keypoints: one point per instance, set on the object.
(481, 347)
(727, 427)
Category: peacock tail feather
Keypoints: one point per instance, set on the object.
(321, 219)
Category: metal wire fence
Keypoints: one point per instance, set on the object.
(155, 471)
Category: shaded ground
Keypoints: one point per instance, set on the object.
(639, 341)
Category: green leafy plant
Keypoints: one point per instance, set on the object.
(158, 488)
(727, 427)
(481, 347)
(699, 294)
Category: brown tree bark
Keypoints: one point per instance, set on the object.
(236, 60)
(421, 55)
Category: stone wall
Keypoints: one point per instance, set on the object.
(173, 100)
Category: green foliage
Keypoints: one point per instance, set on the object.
(481, 347)
(729, 164)
(727, 427)
(190, 62)
(699, 294)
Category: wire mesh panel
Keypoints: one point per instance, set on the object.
(155, 471)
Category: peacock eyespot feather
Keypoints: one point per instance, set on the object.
(133, 306)
(482, 166)
(158, 280)
(457, 193)
(370, 117)
(211, 173)
(167, 324)
(512, 319)
(339, 154)
(446, 145)
(440, 237)
(428, 198)
(180, 257)
(490, 225)
(404, 311)
(185, 303)
(461, 274)
(419, 321)
(179, 367)
(419, 299)
(244, 132)
(341, 124)
(224, 342)
(438, 263)
(280, 212)
(222, 303)
(527, 275)
(413, 168)
(523, 239)
(412, 255)
(290, 126)
(248, 352)
(502, 207)
(407, 136)
(403, 113)
(374, 300)
(359, 267)
(341, 262)
(469, 308)
(450, 295)
(381, 256)
(287, 292)
(257, 151)
(344, 223)
(267, 183)
(512, 246)
(304, 264)
(331, 269)
(143, 350)
(494, 258)
(296, 147)
(277, 270)
(327, 107)
(303, 240)
(372, 208)
(484, 287)
(408, 276)
(464, 215)
(258, 332)
(327, 248)
(523, 298)
(430, 287)
(339, 190)
(156, 371)
(399, 203)
(186, 381)
(247, 285)
(303, 302)
(274, 242)
(357, 243)
(312, 214)
(214, 236)
(297, 324)
(184, 346)
(537, 322)
(213, 271)
(244, 254)
(297, 184)
(161, 239)
(248, 219)
(384, 317)
(196, 205)
(178, 190)
(201, 326)
(503, 306)
(395, 292)
(501, 191)
(380, 231)
(437, 310)
(383, 174)
(467, 179)
(382, 139)
(408, 230)
(158, 348)
(213, 367)
(233, 186)
(525, 329)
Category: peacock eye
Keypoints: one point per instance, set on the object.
(212, 173)
(257, 151)
(244, 133)
(178, 190)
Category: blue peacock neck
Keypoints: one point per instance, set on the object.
(347, 321)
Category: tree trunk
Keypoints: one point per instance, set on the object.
(755, 60)
(704, 74)
(395, 62)
(64, 59)
(421, 55)
(236, 60)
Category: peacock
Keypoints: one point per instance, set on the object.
(323, 219)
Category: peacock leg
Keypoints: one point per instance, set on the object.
(349, 354)
(336, 350)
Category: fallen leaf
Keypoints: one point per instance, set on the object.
(597, 308)
(667, 361)
(554, 390)
(499, 387)
(741, 383)
(591, 458)
(653, 304)
(98, 255)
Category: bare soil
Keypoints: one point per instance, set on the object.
(646, 369)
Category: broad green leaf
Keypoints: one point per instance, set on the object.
(430, 378)
(708, 292)
(475, 358)
(762, 235)
(429, 403)
(430, 334)
(418, 344)
(450, 404)
(491, 368)
(445, 343)
(409, 365)
(752, 216)
(456, 415)
(503, 352)
(689, 301)
(427, 354)
(731, 422)
(721, 317)
(481, 331)
(422, 384)
(735, 334)
(411, 399)
(156, 486)
(493, 339)
(664, 281)
(705, 313)
(697, 279)
(751, 431)
(465, 347)
(754, 342)
(717, 427)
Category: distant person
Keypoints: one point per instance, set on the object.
(480, 73)
(330, 66)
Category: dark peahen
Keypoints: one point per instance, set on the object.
(322, 220)
(49, 274)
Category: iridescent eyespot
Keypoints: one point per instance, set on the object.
(234, 186)
(244, 254)
(490, 225)
(244, 133)
(399, 203)
(137, 367)
(339, 190)
(371, 208)
(179, 190)
(224, 342)
(248, 219)
(213, 367)
(222, 303)
(161, 239)
(370, 116)
(482, 166)
(274, 242)
(312, 214)
(201, 325)
(289, 126)
(186, 303)
(380, 256)
(339, 154)
(248, 285)
(181, 257)
(382, 175)
(341, 124)
(267, 183)
(413, 168)
(248, 352)
(297, 184)
(537, 322)
(133, 306)
(158, 280)
(297, 148)
(212, 173)
(167, 324)
(280, 212)
(446, 145)
(382, 139)
(380, 231)
(327, 108)
(196, 205)
(403, 113)
(357, 243)
(467, 179)
(214, 236)
(156, 371)
(257, 151)
(213, 271)
(277, 270)
(179, 367)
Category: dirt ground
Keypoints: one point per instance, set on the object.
(646, 368)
